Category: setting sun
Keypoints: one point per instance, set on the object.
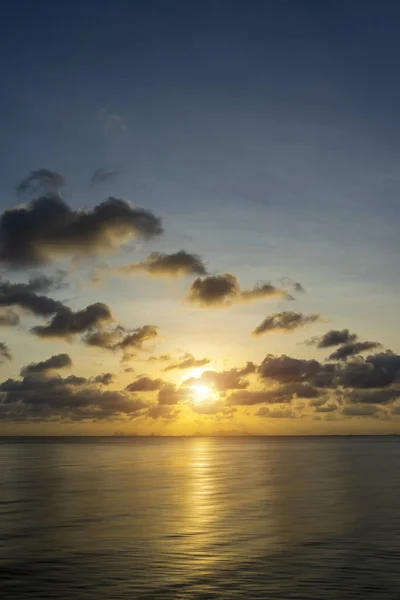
(201, 392)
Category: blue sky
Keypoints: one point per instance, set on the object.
(265, 134)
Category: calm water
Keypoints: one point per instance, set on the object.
(200, 518)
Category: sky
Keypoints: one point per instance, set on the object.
(199, 217)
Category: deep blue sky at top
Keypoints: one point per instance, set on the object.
(272, 123)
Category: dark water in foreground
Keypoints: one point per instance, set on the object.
(200, 518)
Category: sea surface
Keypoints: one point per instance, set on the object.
(197, 518)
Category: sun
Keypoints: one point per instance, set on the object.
(201, 392)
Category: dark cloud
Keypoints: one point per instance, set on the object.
(23, 295)
(352, 349)
(161, 358)
(170, 265)
(67, 323)
(41, 181)
(162, 411)
(5, 353)
(103, 379)
(376, 371)
(187, 361)
(32, 234)
(58, 361)
(276, 413)
(224, 290)
(233, 379)
(145, 384)
(169, 394)
(9, 318)
(382, 396)
(286, 369)
(103, 176)
(42, 398)
(119, 338)
(283, 394)
(286, 321)
(334, 337)
(361, 410)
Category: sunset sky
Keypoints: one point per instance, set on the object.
(199, 229)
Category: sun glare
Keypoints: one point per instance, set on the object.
(201, 392)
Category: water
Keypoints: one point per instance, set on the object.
(191, 518)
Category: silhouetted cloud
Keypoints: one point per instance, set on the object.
(208, 408)
(33, 234)
(276, 413)
(367, 410)
(103, 176)
(352, 349)
(286, 369)
(187, 361)
(119, 338)
(286, 321)
(67, 323)
(103, 378)
(232, 379)
(380, 396)
(169, 394)
(9, 318)
(334, 337)
(224, 290)
(283, 394)
(169, 265)
(5, 352)
(161, 358)
(41, 181)
(162, 411)
(376, 371)
(23, 296)
(58, 361)
(145, 384)
(42, 398)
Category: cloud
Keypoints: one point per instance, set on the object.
(9, 318)
(119, 338)
(276, 413)
(334, 337)
(170, 395)
(43, 398)
(103, 379)
(58, 361)
(145, 384)
(66, 322)
(224, 290)
(376, 371)
(159, 264)
(286, 321)
(287, 369)
(33, 234)
(5, 353)
(103, 176)
(224, 380)
(352, 349)
(24, 296)
(162, 411)
(41, 181)
(161, 358)
(327, 408)
(283, 394)
(356, 410)
(380, 396)
(187, 361)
